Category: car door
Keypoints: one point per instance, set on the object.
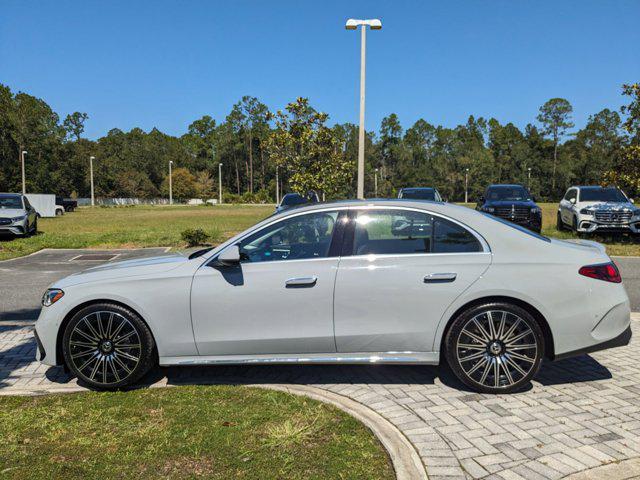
(279, 298)
(400, 271)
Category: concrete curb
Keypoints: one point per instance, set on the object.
(624, 470)
(406, 461)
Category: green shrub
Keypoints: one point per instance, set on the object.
(195, 237)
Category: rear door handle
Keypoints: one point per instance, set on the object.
(301, 282)
(440, 277)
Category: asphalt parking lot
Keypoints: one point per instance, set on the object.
(25, 279)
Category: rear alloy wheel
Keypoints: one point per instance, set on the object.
(108, 346)
(495, 348)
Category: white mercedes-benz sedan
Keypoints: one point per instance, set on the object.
(384, 281)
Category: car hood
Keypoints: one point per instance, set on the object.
(11, 212)
(508, 203)
(128, 268)
(609, 206)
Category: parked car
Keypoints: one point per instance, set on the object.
(346, 282)
(17, 216)
(68, 204)
(589, 209)
(420, 193)
(513, 203)
(295, 200)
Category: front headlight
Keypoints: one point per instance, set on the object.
(536, 210)
(587, 211)
(51, 296)
(19, 219)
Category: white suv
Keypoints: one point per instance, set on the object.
(602, 209)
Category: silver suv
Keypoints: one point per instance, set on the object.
(589, 209)
(17, 216)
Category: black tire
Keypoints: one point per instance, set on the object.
(475, 358)
(95, 351)
(559, 223)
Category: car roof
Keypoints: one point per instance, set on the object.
(407, 189)
(506, 185)
(12, 194)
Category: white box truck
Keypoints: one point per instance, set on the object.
(44, 203)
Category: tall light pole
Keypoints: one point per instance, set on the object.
(375, 184)
(93, 197)
(170, 183)
(353, 24)
(277, 187)
(529, 178)
(24, 181)
(220, 183)
(466, 185)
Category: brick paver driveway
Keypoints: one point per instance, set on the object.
(580, 413)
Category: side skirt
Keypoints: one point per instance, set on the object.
(401, 358)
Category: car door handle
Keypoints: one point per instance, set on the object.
(440, 277)
(300, 282)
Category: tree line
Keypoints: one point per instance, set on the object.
(299, 147)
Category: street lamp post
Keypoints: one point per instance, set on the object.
(277, 187)
(529, 178)
(24, 181)
(220, 183)
(466, 185)
(353, 24)
(170, 183)
(93, 197)
(375, 184)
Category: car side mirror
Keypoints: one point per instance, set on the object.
(572, 200)
(229, 256)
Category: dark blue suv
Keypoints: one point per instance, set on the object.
(513, 203)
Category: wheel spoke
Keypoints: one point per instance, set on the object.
(473, 356)
(527, 346)
(492, 327)
(126, 355)
(470, 346)
(516, 366)
(109, 325)
(75, 343)
(505, 367)
(487, 369)
(122, 365)
(483, 332)
(118, 328)
(93, 331)
(474, 336)
(518, 337)
(477, 366)
(85, 364)
(124, 337)
(511, 330)
(520, 357)
(82, 354)
(115, 370)
(501, 326)
(496, 373)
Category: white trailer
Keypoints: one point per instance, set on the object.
(44, 203)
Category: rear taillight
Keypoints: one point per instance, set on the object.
(604, 271)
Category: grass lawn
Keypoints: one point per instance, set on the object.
(153, 226)
(217, 432)
(128, 227)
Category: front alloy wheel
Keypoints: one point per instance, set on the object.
(108, 346)
(495, 348)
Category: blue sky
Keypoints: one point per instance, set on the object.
(165, 63)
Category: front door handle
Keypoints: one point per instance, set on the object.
(440, 277)
(301, 282)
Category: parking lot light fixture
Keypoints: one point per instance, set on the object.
(24, 182)
(353, 24)
(170, 183)
(220, 183)
(93, 197)
(466, 185)
(529, 178)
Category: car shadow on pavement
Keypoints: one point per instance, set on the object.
(20, 314)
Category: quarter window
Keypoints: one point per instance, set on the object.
(295, 238)
(407, 232)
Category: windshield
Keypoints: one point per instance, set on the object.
(10, 201)
(420, 194)
(600, 194)
(293, 199)
(514, 193)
